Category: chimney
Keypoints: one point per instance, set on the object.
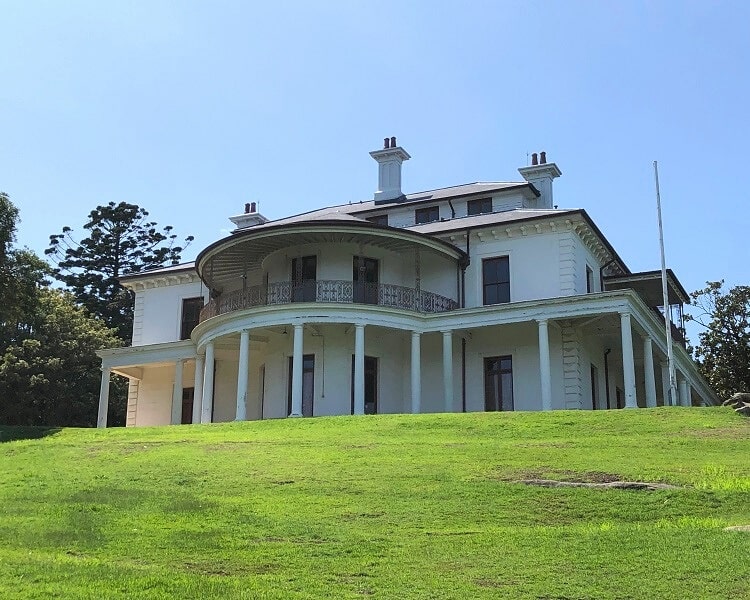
(249, 218)
(389, 161)
(540, 176)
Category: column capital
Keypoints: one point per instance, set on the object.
(625, 313)
(416, 334)
(298, 326)
(446, 331)
(542, 321)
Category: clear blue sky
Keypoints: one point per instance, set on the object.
(191, 109)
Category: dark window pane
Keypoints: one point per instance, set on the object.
(427, 215)
(378, 220)
(479, 206)
(191, 310)
(496, 280)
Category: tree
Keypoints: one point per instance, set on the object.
(723, 353)
(49, 372)
(21, 274)
(52, 375)
(121, 241)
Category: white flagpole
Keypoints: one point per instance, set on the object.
(672, 400)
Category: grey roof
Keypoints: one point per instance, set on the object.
(346, 211)
(496, 218)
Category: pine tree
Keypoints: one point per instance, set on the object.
(121, 241)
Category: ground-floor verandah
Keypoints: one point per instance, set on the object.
(309, 369)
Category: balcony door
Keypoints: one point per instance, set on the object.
(304, 276)
(365, 278)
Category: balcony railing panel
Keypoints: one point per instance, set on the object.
(328, 291)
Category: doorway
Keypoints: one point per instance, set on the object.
(498, 383)
(371, 385)
(308, 385)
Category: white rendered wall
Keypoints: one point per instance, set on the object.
(161, 312)
(533, 261)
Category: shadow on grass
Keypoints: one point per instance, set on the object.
(11, 433)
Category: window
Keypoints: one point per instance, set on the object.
(498, 383)
(495, 280)
(191, 313)
(479, 206)
(426, 215)
(589, 279)
(378, 219)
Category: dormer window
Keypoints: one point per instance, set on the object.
(479, 206)
(378, 220)
(426, 215)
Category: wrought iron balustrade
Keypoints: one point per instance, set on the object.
(328, 291)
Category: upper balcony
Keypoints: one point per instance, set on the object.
(343, 260)
(329, 291)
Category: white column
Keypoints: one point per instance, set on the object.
(648, 372)
(198, 389)
(628, 363)
(101, 418)
(544, 365)
(177, 392)
(665, 381)
(684, 392)
(297, 372)
(448, 371)
(207, 406)
(242, 373)
(416, 372)
(359, 369)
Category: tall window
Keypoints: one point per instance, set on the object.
(479, 206)
(589, 279)
(191, 313)
(496, 280)
(498, 383)
(378, 219)
(426, 215)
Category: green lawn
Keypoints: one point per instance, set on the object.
(384, 507)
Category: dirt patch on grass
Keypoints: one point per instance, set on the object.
(229, 570)
(356, 516)
(741, 528)
(492, 583)
(562, 475)
(612, 485)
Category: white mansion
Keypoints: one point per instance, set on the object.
(477, 297)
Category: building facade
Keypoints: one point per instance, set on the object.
(477, 297)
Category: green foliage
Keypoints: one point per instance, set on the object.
(386, 506)
(723, 352)
(52, 375)
(121, 241)
(49, 372)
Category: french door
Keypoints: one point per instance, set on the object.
(304, 277)
(365, 278)
(498, 383)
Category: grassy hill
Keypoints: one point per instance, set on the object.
(403, 506)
